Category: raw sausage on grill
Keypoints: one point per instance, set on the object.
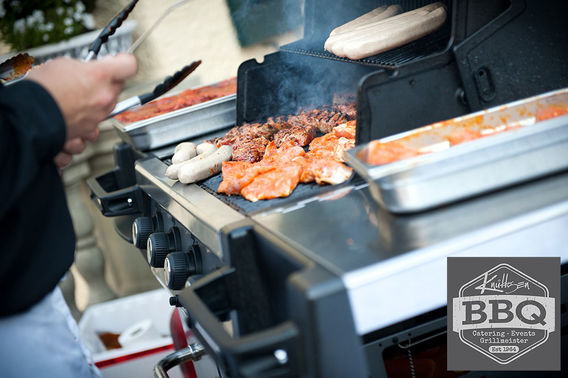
(198, 170)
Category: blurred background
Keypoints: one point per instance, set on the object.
(221, 33)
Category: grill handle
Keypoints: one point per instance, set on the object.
(118, 202)
(192, 353)
(262, 353)
(115, 193)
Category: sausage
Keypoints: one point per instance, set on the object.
(390, 14)
(203, 150)
(416, 28)
(182, 145)
(389, 33)
(184, 151)
(198, 170)
(206, 148)
(377, 29)
(375, 15)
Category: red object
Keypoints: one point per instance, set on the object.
(551, 111)
(179, 337)
(133, 356)
(184, 99)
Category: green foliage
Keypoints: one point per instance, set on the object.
(30, 23)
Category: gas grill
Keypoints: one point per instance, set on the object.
(326, 282)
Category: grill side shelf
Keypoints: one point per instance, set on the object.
(115, 193)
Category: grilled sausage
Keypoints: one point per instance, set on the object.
(184, 151)
(198, 170)
(373, 16)
(206, 148)
(392, 32)
(390, 26)
(203, 150)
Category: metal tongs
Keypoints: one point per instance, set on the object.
(159, 90)
(169, 83)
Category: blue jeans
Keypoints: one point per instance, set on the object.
(44, 342)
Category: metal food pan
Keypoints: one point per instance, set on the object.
(469, 169)
(180, 124)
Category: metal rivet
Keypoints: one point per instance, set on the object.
(281, 356)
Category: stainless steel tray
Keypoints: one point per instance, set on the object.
(469, 169)
(180, 124)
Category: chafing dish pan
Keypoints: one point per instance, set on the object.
(453, 173)
(181, 124)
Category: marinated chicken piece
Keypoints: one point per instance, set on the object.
(383, 153)
(343, 144)
(238, 174)
(281, 156)
(324, 142)
(329, 171)
(279, 182)
(331, 147)
(323, 171)
(346, 130)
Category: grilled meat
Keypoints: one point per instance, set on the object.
(249, 149)
(322, 170)
(299, 129)
(283, 167)
(345, 130)
(299, 135)
(238, 174)
(279, 182)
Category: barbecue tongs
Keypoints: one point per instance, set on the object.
(169, 83)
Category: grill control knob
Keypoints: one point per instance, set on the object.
(143, 227)
(160, 244)
(179, 266)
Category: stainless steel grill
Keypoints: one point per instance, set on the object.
(317, 284)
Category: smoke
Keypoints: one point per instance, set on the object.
(260, 20)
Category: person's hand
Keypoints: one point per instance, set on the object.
(86, 92)
(72, 147)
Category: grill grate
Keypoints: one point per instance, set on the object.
(392, 59)
(246, 207)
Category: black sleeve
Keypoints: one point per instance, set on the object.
(32, 132)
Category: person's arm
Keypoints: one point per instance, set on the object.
(49, 116)
(32, 132)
